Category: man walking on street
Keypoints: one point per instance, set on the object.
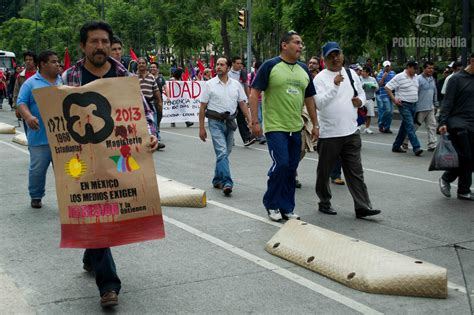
(95, 43)
(237, 72)
(219, 99)
(405, 85)
(287, 85)
(40, 154)
(457, 118)
(151, 92)
(30, 69)
(339, 94)
(384, 104)
(425, 107)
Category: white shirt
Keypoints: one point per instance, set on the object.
(222, 97)
(445, 84)
(406, 87)
(336, 114)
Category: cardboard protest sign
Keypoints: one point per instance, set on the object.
(105, 177)
(182, 103)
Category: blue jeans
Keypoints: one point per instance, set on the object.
(222, 138)
(155, 116)
(285, 150)
(407, 128)
(40, 157)
(385, 112)
(102, 262)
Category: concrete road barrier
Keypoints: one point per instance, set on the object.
(175, 194)
(7, 129)
(357, 264)
(20, 138)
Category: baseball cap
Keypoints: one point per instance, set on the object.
(329, 47)
(386, 63)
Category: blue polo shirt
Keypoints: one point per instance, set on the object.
(381, 91)
(25, 97)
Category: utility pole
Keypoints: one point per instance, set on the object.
(465, 30)
(249, 35)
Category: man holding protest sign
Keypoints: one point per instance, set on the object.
(219, 100)
(40, 154)
(95, 43)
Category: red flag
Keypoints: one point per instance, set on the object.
(212, 66)
(185, 74)
(200, 66)
(132, 55)
(67, 60)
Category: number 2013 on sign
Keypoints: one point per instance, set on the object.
(128, 114)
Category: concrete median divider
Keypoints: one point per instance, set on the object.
(357, 264)
(20, 138)
(7, 129)
(175, 194)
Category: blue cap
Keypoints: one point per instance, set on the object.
(329, 47)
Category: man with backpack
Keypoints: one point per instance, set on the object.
(339, 94)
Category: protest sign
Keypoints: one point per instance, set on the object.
(182, 103)
(105, 177)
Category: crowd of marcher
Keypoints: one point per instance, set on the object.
(290, 106)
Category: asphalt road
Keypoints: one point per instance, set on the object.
(213, 259)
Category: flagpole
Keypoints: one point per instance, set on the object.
(249, 36)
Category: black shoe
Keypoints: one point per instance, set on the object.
(36, 203)
(418, 152)
(329, 210)
(398, 150)
(431, 149)
(189, 124)
(250, 142)
(219, 185)
(469, 197)
(87, 267)
(387, 131)
(381, 129)
(362, 213)
(161, 146)
(227, 190)
(109, 299)
(445, 187)
(298, 184)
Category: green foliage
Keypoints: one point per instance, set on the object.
(181, 29)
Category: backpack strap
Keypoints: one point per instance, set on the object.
(349, 74)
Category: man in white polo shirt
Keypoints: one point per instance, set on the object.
(405, 84)
(219, 99)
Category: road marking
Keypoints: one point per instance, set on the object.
(15, 147)
(313, 159)
(276, 269)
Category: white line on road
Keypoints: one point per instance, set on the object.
(313, 159)
(15, 147)
(276, 269)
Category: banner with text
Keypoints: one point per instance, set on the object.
(182, 103)
(105, 176)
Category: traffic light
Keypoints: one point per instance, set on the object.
(243, 18)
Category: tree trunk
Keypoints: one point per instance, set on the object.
(225, 35)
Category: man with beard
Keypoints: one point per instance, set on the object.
(286, 84)
(95, 43)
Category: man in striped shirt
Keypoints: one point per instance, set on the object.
(150, 91)
(405, 85)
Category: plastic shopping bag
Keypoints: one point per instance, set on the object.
(445, 156)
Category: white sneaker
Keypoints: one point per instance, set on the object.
(368, 131)
(274, 214)
(290, 216)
